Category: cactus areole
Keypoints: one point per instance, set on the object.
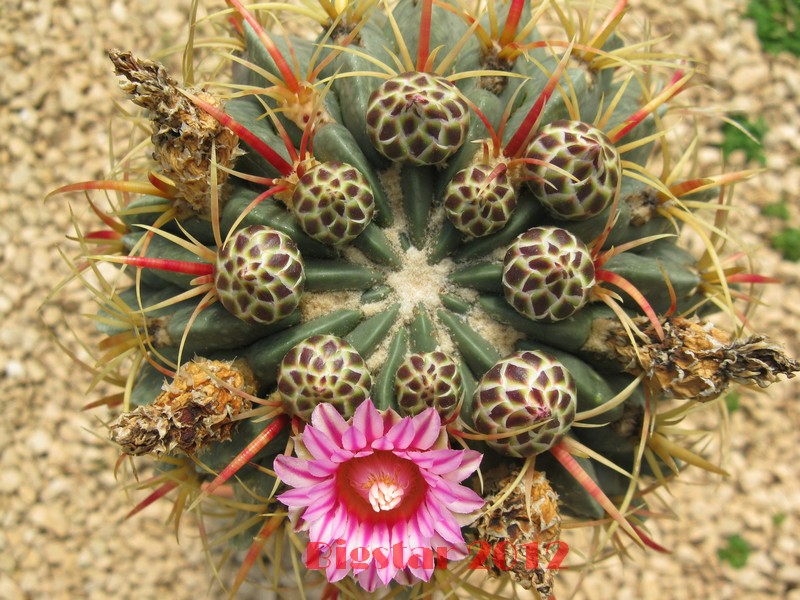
(396, 245)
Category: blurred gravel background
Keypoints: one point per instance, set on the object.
(61, 528)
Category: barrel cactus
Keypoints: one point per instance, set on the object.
(403, 282)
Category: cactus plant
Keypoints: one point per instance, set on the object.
(358, 264)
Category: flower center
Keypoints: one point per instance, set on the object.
(381, 486)
(385, 495)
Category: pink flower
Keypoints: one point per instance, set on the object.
(380, 496)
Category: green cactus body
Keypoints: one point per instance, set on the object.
(442, 233)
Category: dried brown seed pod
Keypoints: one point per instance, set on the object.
(193, 412)
(183, 135)
(526, 521)
(695, 360)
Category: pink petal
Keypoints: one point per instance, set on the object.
(451, 552)
(299, 498)
(398, 534)
(427, 425)
(354, 439)
(295, 472)
(407, 535)
(401, 434)
(305, 496)
(352, 529)
(382, 542)
(457, 498)
(444, 522)
(361, 542)
(382, 444)
(318, 444)
(368, 578)
(329, 529)
(334, 572)
(321, 468)
(403, 577)
(422, 571)
(435, 461)
(422, 522)
(368, 420)
(454, 551)
(357, 538)
(341, 455)
(390, 418)
(322, 510)
(328, 420)
(470, 462)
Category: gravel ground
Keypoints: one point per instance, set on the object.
(61, 528)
